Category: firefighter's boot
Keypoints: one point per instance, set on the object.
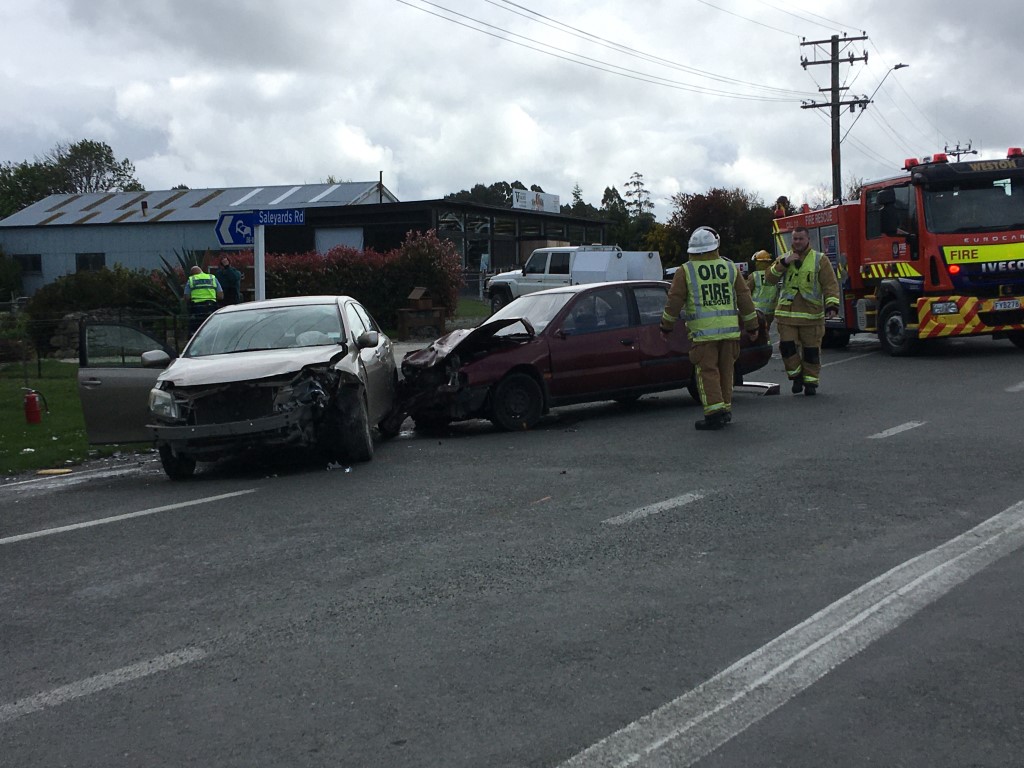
(712, 421)
(810, 389)
(798, 385)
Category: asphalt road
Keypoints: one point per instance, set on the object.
(830, 581)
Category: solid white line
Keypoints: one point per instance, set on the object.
(654, 509)
(692, 726)
(1016, 388)
(897, 430)
(98, 683)
(117, 518)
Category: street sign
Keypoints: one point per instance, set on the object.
(236, 228)
(285, 217)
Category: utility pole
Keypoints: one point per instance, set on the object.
(961, 150)
(835, 102)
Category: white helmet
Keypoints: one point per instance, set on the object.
(703, 240)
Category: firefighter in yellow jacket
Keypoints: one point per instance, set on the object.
(716, 299)
(808, 294)
(764, 294)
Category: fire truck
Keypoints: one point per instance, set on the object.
(935, 253)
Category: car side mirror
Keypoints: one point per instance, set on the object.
(155, 358)
(368, 340)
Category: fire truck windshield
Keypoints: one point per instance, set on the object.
(991, 206)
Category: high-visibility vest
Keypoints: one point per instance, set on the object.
(202, 287)
(765, 294)
(711, 313)
(802, 281)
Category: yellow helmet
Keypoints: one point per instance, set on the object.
(762, 256)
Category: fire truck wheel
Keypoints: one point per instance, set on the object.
(1017, 338)
(892, 331)
(835, 338)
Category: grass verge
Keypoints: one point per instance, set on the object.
(59, 440)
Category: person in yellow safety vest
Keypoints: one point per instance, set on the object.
(716, 299)
(764, 294)
(808, 294)
(202, 292)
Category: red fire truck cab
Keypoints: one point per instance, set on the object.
(937, 252)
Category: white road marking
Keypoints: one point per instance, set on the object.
(1016, 388)
(118, 518)
(654, 509)
(98, 683)
(694, 725)
(848, 359)
(897, 430)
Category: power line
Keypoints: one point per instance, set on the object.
(832, 24)
(612, 45)
(747, 18)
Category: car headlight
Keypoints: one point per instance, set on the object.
(161, 403)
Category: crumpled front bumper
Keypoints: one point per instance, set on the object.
(292, 427)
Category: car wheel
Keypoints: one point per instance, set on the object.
(354, 440)
(517, 402)
(498, 300)
(391, 425)
(178, 466)
(691, 387)
(1017, 337)
(836, 338)
(893, 333)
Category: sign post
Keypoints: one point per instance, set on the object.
(248, 228)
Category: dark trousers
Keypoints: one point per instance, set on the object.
(198, 311)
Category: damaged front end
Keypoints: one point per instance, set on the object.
(214, 419)
(437, 388)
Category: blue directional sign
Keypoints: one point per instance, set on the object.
(285, 217)
(236, 228)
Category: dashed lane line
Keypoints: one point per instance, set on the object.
(897, 430)
(653, 509)
(118, 518)
(98, 683)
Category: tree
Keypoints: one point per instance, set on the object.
(638, 199)
(579, 207)
(741, 218)
(86, 166)
(498, 194)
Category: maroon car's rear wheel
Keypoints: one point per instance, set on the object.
(517, 403)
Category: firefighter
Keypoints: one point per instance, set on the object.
(808, 294)
(713, 292)
(764, 294)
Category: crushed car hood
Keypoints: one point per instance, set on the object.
(247, 366)
(463, 339)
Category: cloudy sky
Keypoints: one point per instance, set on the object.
(445, 94)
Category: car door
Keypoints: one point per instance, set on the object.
(113, 385)
(594, 346)
(535, 273)
(372, 360)
(664, 358)
(385, 372)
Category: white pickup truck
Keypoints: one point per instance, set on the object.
(572, 265)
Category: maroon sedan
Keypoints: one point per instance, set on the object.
(575, 344)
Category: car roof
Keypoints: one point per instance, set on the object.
(579, 288)
(287, 301)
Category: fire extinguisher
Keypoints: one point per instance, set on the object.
(34, 404)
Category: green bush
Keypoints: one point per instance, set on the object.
(137, 291)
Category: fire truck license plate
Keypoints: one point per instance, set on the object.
(1005, 304)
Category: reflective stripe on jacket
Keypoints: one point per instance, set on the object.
(711, 312)
(202, 287)
(764, 294)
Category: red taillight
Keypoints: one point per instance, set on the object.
(1014, 152)
(954, 269)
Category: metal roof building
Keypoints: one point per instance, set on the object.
(62, 234)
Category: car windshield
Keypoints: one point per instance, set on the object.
(989, 206)
(538, 308)
(263, 328)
